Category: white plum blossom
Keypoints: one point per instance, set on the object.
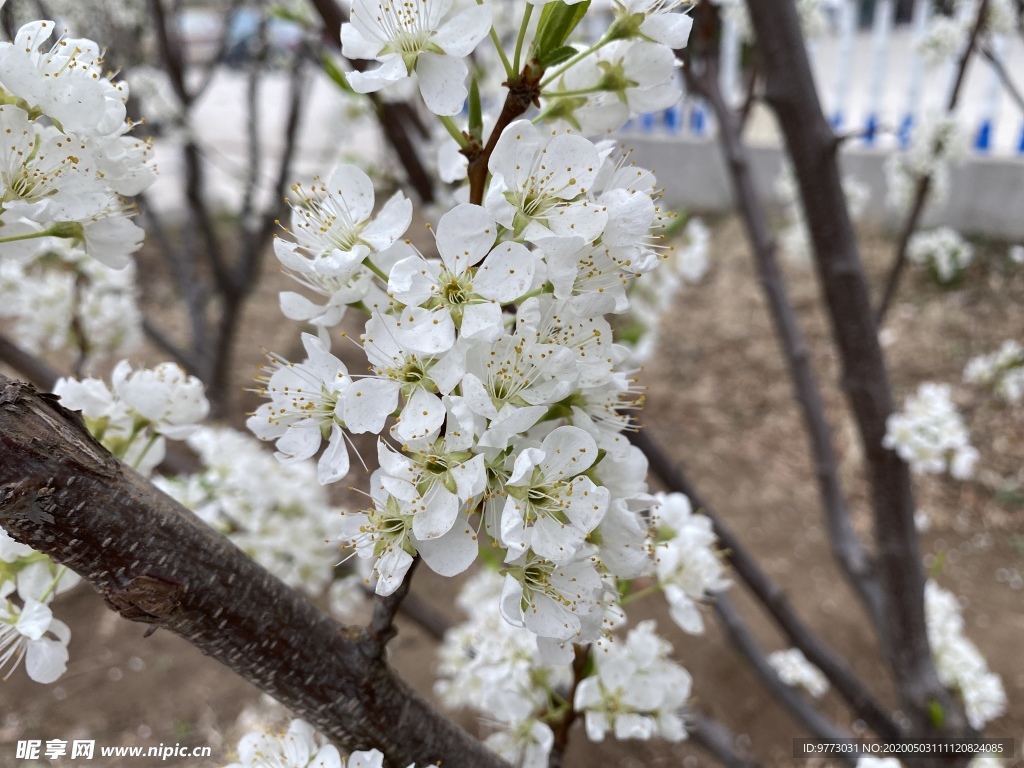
(622, 79)
(539, 185)
(1002, 371)
(794, 669)
(29, 632)
(317, 400)
(67, 157)
(686, 563)
(24, 634)
(548, 598)
(551, 506)
(657, 20)
(637, 692)
(172, 401)
(938, 142)
(66, 82)
(930, 435)
(335, 231)
(466, 289)
(425, 38)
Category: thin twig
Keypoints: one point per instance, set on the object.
(1003, 74)
(923, 187)
(381, 629)
(744, 641)
(580, 660)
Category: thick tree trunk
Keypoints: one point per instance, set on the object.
(811, 145)
(154, 561)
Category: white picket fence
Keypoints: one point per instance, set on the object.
(874, 82)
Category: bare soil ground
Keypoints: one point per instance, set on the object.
(721, 403)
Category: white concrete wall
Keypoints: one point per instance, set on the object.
(986, 193)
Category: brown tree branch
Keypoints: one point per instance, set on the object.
(924, 184)
(155, 562)
(790, 91)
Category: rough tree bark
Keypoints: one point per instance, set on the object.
(155, 562)
(811, 144)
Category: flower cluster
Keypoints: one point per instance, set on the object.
(513, 416)
(276, 513)
(67, 160)
(960, 664)
(498, 671)
(943, 251)
(936, 143)
(133, 416)
(930, 434)
(28, 630)
(794, 669)
(57, 298)
(1002, 371)
(299, 747)
(637, 691)
(687, 565)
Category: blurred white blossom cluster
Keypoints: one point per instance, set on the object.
(299, 747)
(68, 158)
(29, 632)
(943, 251)
(938, 142)
(686, 263)
(794, 669)
(54, 297)
(276, 513)
(1001, 371)
(959, 663)
(139, 411)
(930, 435)
(946, 35)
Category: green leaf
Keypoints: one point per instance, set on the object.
(557, 56)
(476, 118)
(334, 72)
(936, 714)
(557, 22)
